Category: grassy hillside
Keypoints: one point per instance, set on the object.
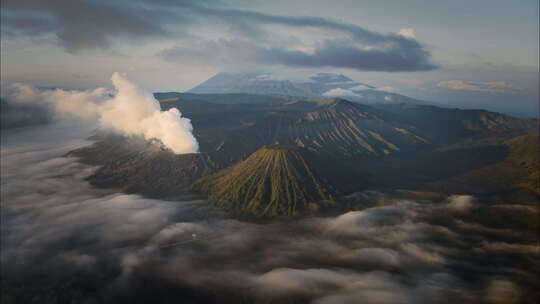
(523, 153)
(518, 170)
(275, 180)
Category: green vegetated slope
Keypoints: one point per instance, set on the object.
(524, 152)
(518, 170)
(275, 180)
(444, 125)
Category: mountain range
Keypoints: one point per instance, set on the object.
(278, 154)
(315, 86)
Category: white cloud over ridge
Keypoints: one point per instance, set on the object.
(489, 86)
(339, 92)
(354, 91)
(361, 87)
(387, 89)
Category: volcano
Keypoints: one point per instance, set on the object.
(274, 180)
(271, 156)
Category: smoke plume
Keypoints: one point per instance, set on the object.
(129, 110)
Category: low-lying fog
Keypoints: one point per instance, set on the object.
(64, 241)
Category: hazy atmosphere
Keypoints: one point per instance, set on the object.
(318, 152)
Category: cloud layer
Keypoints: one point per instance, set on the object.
(396, 54)
(251, 37)
(128, 110)
(80, 24)
(66, 241)
(356, 91)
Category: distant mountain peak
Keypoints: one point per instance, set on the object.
(252, 83)
(315, 86)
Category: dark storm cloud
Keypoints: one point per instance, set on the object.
(18, 115)
(343, 55)
(85, 24)
(81, 24)
(385, 52)
(256, 18)
(27, 24)
(330, 53)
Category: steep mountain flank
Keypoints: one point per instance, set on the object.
(137, 166)
(335, 128)
(446, 125)
(275, 180)
(519, 169)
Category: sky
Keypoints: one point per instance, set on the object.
(473, 54)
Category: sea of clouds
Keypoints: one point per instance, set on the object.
(65, 241)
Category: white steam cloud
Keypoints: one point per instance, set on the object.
(130, 111)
